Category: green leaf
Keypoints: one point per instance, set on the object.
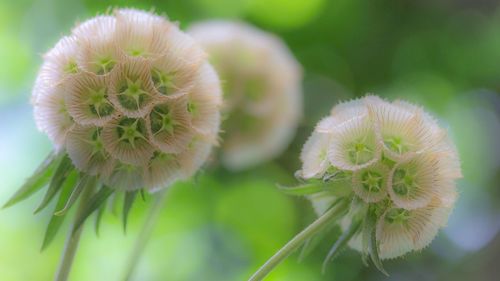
(98, 218)
(127, 205)
(341, 243)
(143, 195)
(93, 204)
(63, 170)
(38, 180)
(56, 221)
(314, 241)
(303, 189)
(115, 203)
(366, 232)
(83, 182)
(374, 253)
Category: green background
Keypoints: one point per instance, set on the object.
(442, 54)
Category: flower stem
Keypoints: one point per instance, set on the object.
(147, 230)
(315, 227)
(73, 238)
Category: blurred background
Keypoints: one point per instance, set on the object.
(442, 54)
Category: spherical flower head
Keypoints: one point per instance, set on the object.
(131, 99)
(401, 167)
(262, 90)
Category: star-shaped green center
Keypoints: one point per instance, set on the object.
(130, 132)
(163, 81)
(133, 94)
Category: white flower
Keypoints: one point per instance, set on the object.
(130, 98)
(262, 88)
(402, 168)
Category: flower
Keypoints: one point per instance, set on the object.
(262, 88)
(401, 168)
(131, 99)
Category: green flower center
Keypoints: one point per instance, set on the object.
(161, 156)
(71, 67)
(127, 168)
(254, 89)
(360, 153)
(163, 81)
(131, 130)
(105, 65)
(372, 181)
(396, 144)
(162, 120)
(192, 108)
(132, 94)
(98, 102)
(135, 52)
(403, 182)
(397, 215)
(97, 144)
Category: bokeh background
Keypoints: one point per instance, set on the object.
(442, 54)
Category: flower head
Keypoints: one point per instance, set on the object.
(262, 88)
(131, 99)
(401, 168)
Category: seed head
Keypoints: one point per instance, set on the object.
(400, 165)
(131, 99)
(262, 88)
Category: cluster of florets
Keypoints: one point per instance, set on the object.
(130, 98)
(391, 158)
(262, 90)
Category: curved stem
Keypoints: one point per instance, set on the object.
(298, 240)
(73, 239)
(147, 230)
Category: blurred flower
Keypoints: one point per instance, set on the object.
(131, 99)
(262, 88)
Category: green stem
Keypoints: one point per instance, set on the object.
(73, 239)
(147, 230)
(315, 227)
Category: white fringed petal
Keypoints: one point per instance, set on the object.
(403, 133)
(126, 139)
(355, 144)
(131, 88)
(370, 183)
(141, 33)
(51, 115)
(99, 52)
(85, 148)
(413, 233)
(195, 155)
(172, 78)
(126, 177)
(349, 109)
(61, 61)
(314, 155)
(59, 64)
(162, 170)
(87, 99)
(169, 126)
(414, 182)
(205, 102)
